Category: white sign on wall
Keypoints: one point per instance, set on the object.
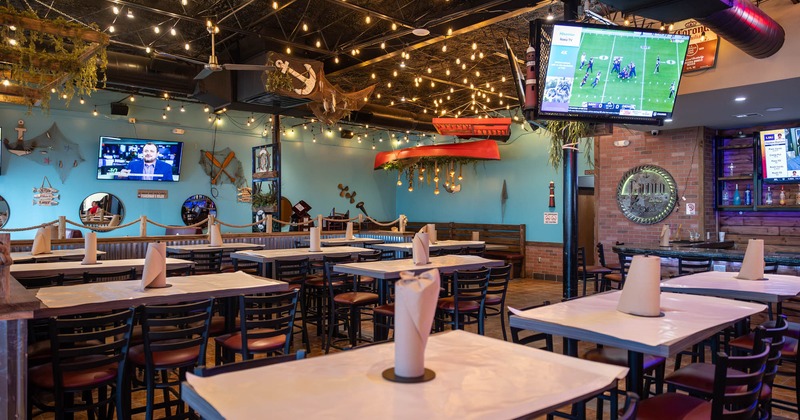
(691, 209)
(550, 218)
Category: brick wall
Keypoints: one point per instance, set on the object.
(550, 267)
(680, 152)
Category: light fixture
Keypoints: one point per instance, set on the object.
(115, 9)
(740, 99)
(205, 109)
(420, 32)
(671, 26)
(110, 29)
(173, 32)
(130, 13)
(94, 112)
(627, 21)
(305, 27)
(81, 100)
(184, 2)
(157, 29)
(550, 12)
(703, 36)
(183, 109)
(368, 19)
(132, 98)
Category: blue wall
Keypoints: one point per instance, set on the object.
(311, 171)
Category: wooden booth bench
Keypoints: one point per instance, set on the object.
(510, 237)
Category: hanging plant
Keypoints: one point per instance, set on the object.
(569, 132)
(428, 166)
(49, 56)
(275, 81)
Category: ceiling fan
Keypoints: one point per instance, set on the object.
(213, 65)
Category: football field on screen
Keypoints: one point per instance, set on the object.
(648, 90)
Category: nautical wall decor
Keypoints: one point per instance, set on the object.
(51, 148)
(45, 195)
(223, 167)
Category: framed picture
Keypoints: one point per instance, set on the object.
(264, 162)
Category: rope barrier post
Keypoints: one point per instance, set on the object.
(143, 226)
(269, 223)
(62, 227)
(402, 223)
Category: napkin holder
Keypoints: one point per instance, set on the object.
(314, 240)
(753, 263)
(156, 255)
(415, 306)
(90, 249)
(641, 295)
(348, 234)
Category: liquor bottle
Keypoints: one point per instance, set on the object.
(768, 198)
(730, 169)
(726, 196)
(737, 199)
(748, 196)
(783, 197)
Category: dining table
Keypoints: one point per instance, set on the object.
(225, 247)
(53, 255)
(774, 288)
(21, 271)
(476, 377)
(684, 321)
(266, 257)
(405, 247)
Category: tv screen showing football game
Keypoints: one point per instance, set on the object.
(139, 159)
(779, 155)
(604, 73)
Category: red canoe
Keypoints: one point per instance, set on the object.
(484, 149)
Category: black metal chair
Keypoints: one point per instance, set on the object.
(618, 278)
(175, 340)
(295, 272)
(88, 358)
(206, 262)
(207, 372)
(688, 265)
(466, 304)
(601, 258)
(531, 337)
(40, 282)
(495, 302)
(345, 307)
(595, 272)
(119, 275)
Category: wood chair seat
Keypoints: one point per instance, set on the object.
(449, 304)
(42, 375)
(356, 298)
(615, 277)
(233, 341)
(386, 310)
(595, 269)
(171, 358)
(674, 407)
(789, 350)
(697, 379)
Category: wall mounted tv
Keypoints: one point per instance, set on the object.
(139, 159)
(780, 157)
(606, 73)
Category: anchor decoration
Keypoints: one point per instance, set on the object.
(344, 191)
(328, 102)
(51, 147)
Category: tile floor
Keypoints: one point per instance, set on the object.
(522, 292)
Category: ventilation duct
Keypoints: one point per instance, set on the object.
(747, 27)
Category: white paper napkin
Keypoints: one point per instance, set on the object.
(665, 233)
(90, 247)
(314, 239)
(420, 249)
(641, 294)
(753, 263)
(414, 307)
(41, 242)
(154, 273)
(432, 233)
(348, 233)
(214, 235)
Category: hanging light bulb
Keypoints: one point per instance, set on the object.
(436, 191)
(319, 44)
(444, 47)
(163, 115)
(550, 15)
(115, 9)
(460, 169)
(130, 13)
(94, 112)
(205, 109)
(305, 27)
(81, 100)
(157, 29)
(132, 98)
(147, 50)
(173, 32)
(399, 182)
(168, 108)
(368, 19)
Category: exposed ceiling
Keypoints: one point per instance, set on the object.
(361, 42)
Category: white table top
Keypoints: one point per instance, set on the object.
(75, 267)
(776, 288)
(476, 377)
(53, 255)
(347, 242)
(406, 246)
(226, 246)
(270, 255)
(390, 269)
(81, 298)
(687, 319)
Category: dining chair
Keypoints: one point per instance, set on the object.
(689, 265)
(495, 302)
(175, 340)
(618, 278)
(345, 307)
(206, 372)
(601, 258)
(317, 290)
(295, 272)
(736, 388)
(531, 338)
(595, 272)
(42, 281)
(249, 267)
(476, 250)
(88, 358)
(179, 272)
(266, 325)
(369, 282)
(466, 304)
(118, 275)
(206, 261)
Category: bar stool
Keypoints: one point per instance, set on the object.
(295, 272)
(317, 292)
(688, 265)
(618, 278)
(345, 306)
(601, 257)
(496, 290)
(467, 301)
(596, 272)
(175, 340)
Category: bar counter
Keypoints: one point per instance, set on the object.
(710, 250)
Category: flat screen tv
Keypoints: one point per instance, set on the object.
(139, 159)
(780, 157)
(606, 73)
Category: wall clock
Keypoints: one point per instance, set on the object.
(647, 194)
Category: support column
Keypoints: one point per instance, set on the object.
(570, 257)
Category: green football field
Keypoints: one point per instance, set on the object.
(648, 90)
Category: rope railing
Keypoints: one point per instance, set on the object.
(143, 221)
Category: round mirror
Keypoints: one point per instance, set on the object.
(102, 209)
(5, 211)
(197, 208)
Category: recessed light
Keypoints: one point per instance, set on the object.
(740, 99)
(421, 32)
(774, 109)
(668, 120)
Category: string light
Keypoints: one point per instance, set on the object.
(163, 115)
(115, 9)
(157, 29)
(368, 19)
(183, 109)
(94, 112)
(319, 44)
(132, 98)
(110, 29)
(275, 5)
(81, 100)
(305, 27)
(130, 13)
(173, 32)
(205, 109)
(147, 49)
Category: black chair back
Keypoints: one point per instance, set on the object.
(176, 327)
(264, 317)
(469, 289)
(690, 265)
(532, 338)
(43, 281)
(125, 274)
(376, 255)
(292, 271)
(625, 263)
(206, 262)
(745, 385)
(476, 250)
